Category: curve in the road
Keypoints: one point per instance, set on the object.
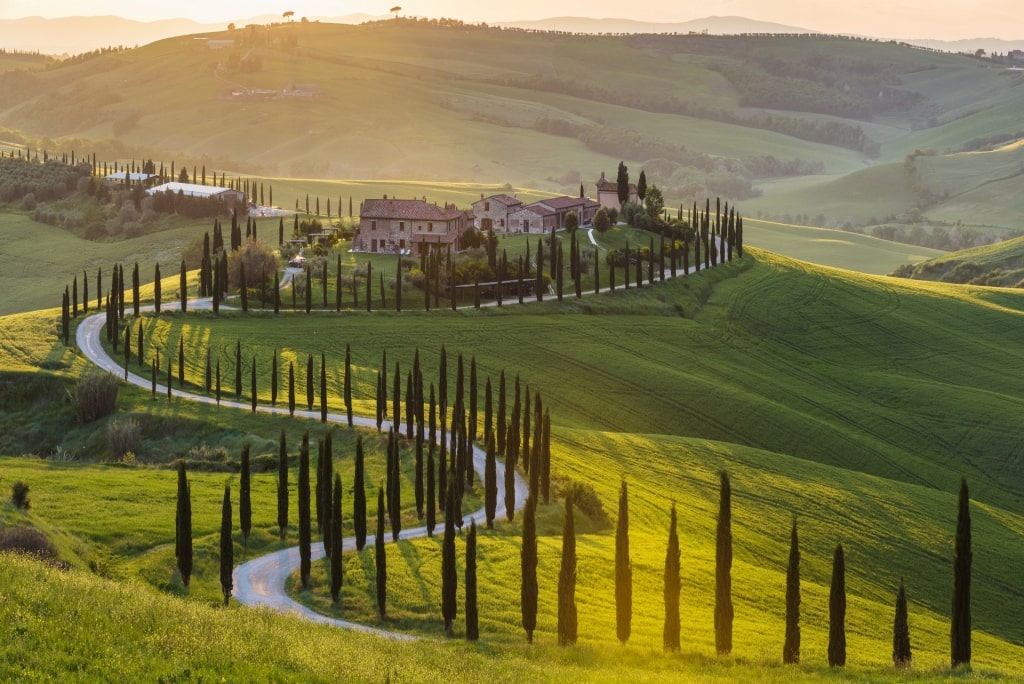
(261, 581)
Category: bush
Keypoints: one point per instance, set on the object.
(95, 396)
(585, 499)
(28, 541)
(19, 496)
(123, 437)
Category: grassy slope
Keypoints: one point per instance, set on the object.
(892, 364)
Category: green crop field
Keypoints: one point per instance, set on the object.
(851, 401)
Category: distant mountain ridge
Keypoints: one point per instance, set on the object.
(74, 35)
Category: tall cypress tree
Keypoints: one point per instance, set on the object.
(359, 498)
(183, 527)
(670, 633)
(528, 566)
(282, 487)
(567, 616)
(623, 570)
(490, 483)
(335, 526)
(227, 547)
(380, 558)
(431, 504)
(305, 531)
(244, 496)
(156, 287)
(901, 656)
(183, 288)
(723, 569)
(472, 611)
(510, 488)
(395, 482)
(449, 577)
(960, 625)
(791, 647)
(837, 611)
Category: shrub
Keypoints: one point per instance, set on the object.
(586, 500)
(19, 495)
(28, 541)
(95, 396)
(123, 437)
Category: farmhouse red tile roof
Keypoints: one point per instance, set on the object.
(505, 199)
(411, 210)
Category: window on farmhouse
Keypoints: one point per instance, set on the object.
(401, 226)
(430, 227)
(487, 206)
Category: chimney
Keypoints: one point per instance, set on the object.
(385, 196)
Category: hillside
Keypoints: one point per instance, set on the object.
(429, 101)
(999, 265)
(855, 402)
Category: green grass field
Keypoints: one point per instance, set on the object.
(852, 401)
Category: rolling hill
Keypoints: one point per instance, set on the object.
(789, 117)
(854, 401)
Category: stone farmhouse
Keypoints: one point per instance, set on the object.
(393, 226)
(504, 214)
(608, 193)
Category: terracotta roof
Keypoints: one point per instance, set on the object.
(412, 210)
(502, 199)
(612, 186)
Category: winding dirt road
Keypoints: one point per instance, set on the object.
(261, 581)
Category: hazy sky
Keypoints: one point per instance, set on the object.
(944, 19)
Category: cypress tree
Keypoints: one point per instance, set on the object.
(623, 571)
(282, 487)
(359, 498)
(99, 287)
(395, 495)
(837, 611)
(183, 526)
(291, 388)
(431, 492)
(528, 564)
(181, 362)
(183, 288)
(335, 526)
(227, 547)
(305, 531)
(252, 384)
(156, 287)
(723, 569)
(348, 384)
(670, 633)
(380, 401)
(472, 612)
(490, 483)
(567, 617)
(960, 625)
(323, 388)
(396, 399)
(309, 382)
(85, 292)
(449, 577)
(380, 558)
(244, 496)
(418, 471)
(791, 648)
(901, 631)
(127, 348)
(488, 410)
(273, 379)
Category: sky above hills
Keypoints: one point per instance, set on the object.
(940, 19)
